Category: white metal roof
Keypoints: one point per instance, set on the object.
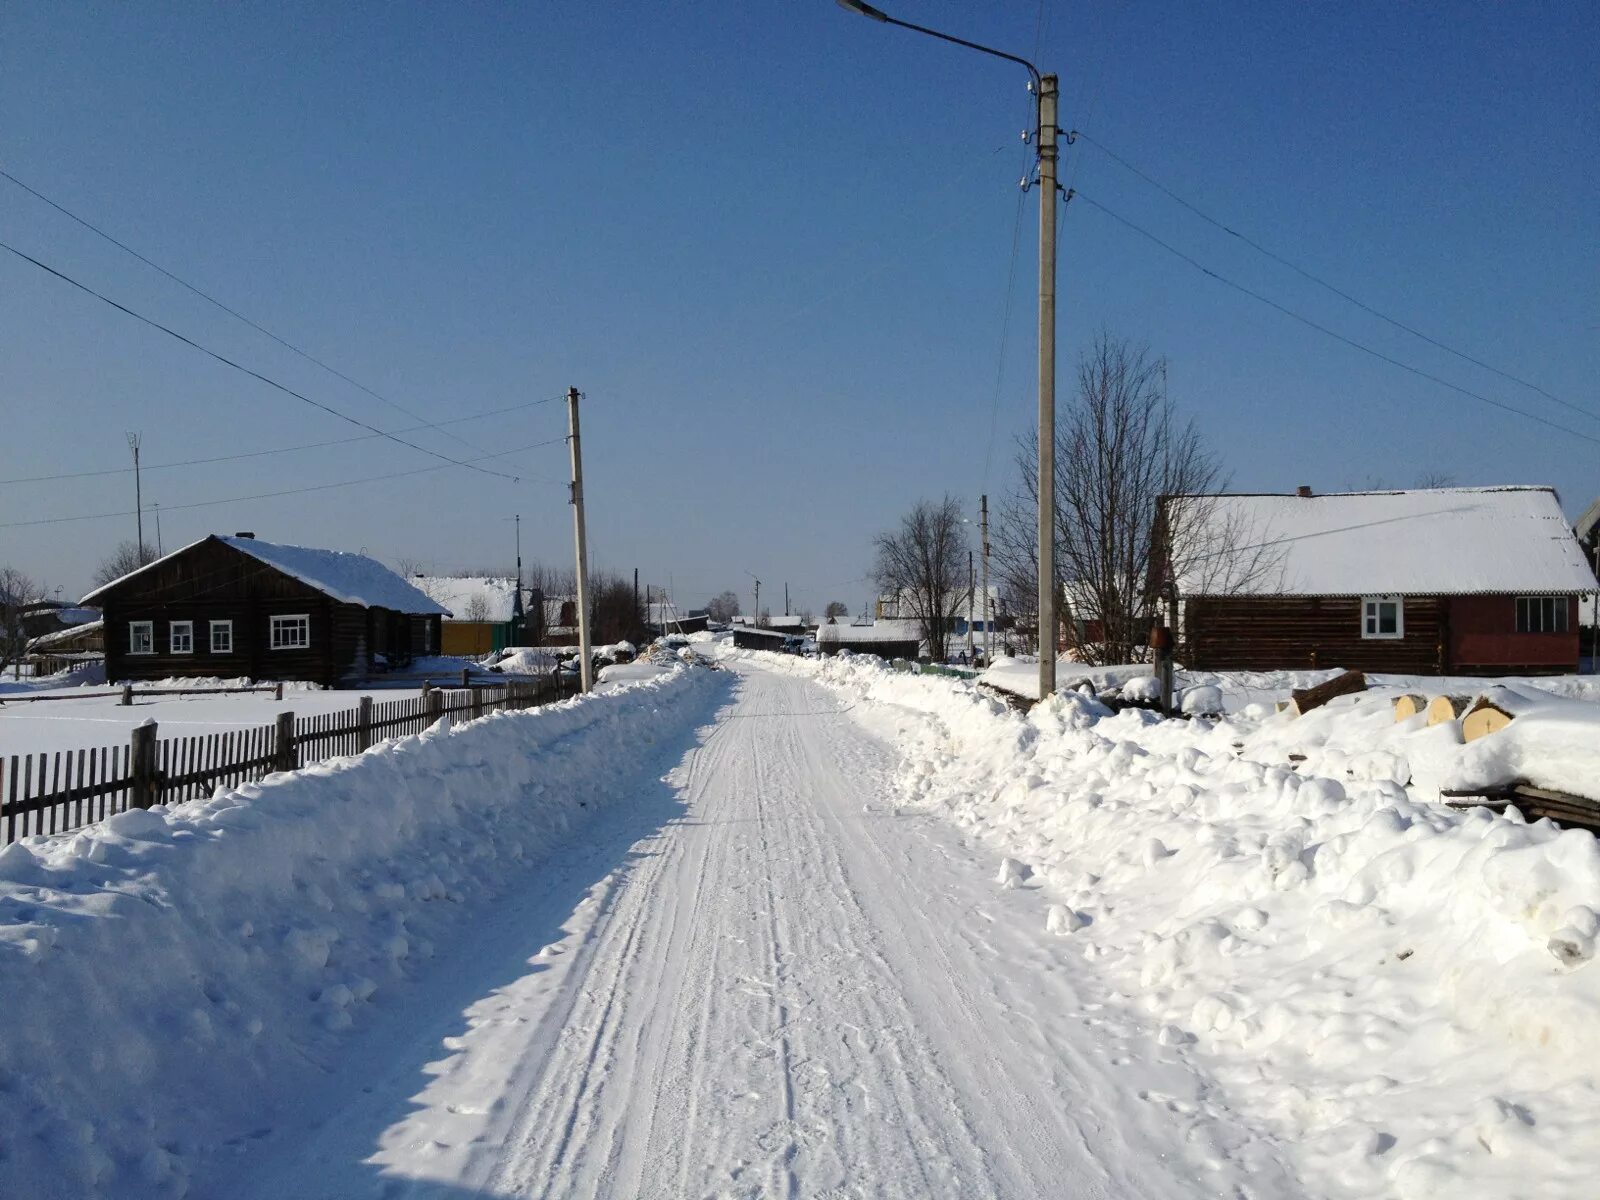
(350, 578)
(1438, 541)
(457, 594)
(878, 631)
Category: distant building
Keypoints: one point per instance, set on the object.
(887, 639)
(485, 615)
(1455, 581)
(238, 606)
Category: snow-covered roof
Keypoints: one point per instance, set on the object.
(878, 631)
(788, 621)
(458, 594)
(67, 634)
(1431, 542)
(348, 578)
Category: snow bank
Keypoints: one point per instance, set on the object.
(171, 976)
(1405, 993)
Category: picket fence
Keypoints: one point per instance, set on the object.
(67, 789)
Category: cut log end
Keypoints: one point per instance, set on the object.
(1447, 708)
(1408, 706)
(1483, 719)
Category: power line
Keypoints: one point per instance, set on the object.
(273, 383)
(1307, 321)
(363, 437)
(299, 491)
(210, 299)
(1323, 283)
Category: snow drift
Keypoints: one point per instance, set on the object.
(1404, 993)
(170, 976)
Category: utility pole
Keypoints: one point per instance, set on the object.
(756, 616)
(786, 597)
(159, 551)
(585, 662)
(138, 494)
(519, 616)
(970, 586)
(988, 609)
(1048, 94)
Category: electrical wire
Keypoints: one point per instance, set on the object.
(1323, 283)
(298, 491)
(1323, 329)
(270, 382)
(364, 437)
(210, 299)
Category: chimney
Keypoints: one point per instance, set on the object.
(245, 533)
(1303, 491)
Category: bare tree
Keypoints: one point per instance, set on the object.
(836, 608)
(477, 608)
(20, 596)
(1436, 479)
(1120, 449)
(723, 608)
(924, 565)
(409, 567)
(129, 556)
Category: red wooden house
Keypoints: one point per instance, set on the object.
(1454, 581)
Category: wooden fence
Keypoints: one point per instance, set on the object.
(67, 789)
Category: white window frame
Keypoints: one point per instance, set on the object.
(281, 622)
(1558, 614)
(221, 627)
(172, 636)
(149, 628)
(1371, 613)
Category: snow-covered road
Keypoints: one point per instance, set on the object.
(776, 985)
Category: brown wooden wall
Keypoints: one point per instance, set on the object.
(1265, 633)
(213, 581)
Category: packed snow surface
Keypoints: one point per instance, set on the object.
(1402, 994)
(813, 929)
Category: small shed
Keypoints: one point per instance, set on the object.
(235, 606)
(887, 639)
(1454, 581)
(749, 637)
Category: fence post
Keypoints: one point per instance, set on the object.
(435, 701)
(277, 692)
(127, 695)
(477, 702)
(284, 753)
(142, 760)
(463, 676)
(366, 722)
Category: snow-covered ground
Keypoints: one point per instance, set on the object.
(1400, 994)
(812, 929)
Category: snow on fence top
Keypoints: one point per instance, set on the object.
(470, 598)
(879, 631)
(349, 578)
(1438, 541)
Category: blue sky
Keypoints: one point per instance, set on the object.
(771, 243)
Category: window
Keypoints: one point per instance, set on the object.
(141, 637)
(292, 632)
(181, 634)
(1383, 617)
(1541, 614)
(222, 637)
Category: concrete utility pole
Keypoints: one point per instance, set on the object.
(988, 609)
(138, 495)
(786, 597)
(585, 661)
(1048, 92)
(969, 606)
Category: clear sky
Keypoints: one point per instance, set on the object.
(771, 243)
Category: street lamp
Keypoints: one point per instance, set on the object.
(1046, 92)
